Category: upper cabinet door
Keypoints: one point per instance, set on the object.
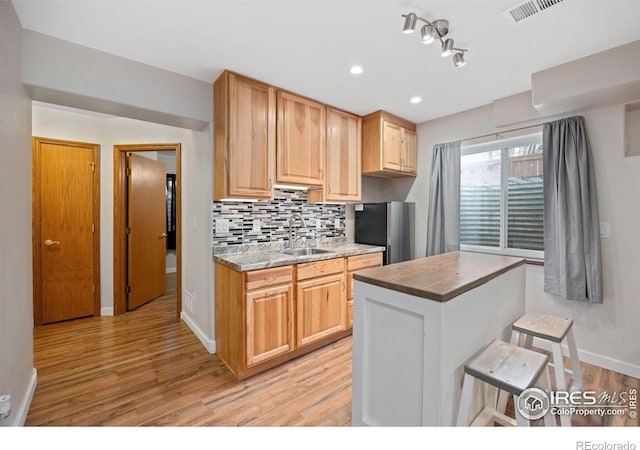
(245, 138)
(344, 149)
(301, 140)
(409, 151)
(391, 146)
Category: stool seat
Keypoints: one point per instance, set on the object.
(544, 326)
(502, 368)
(506, 366)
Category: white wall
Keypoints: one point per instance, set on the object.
(197, 265)
(607, 334)
(65, 73)
(17, 375)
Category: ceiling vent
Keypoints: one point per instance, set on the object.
(528, 8)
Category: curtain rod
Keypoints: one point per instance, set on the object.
(496, 134)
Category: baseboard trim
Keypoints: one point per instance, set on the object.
(208, 343)
(19, 417)
(595, 359)
(106, 311)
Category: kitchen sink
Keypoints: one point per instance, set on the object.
(305, 251)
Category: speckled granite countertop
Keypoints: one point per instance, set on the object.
(261, 256)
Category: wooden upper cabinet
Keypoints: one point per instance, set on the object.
(301, 140)
(389, 146)
(244, 137)
(343, 159)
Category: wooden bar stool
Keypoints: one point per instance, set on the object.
(504, 367)
(554, 330)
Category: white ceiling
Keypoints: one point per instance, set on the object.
(308, 46)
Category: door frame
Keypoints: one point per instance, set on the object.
(120, 221)
(36, 234)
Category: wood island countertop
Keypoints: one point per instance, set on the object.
(441, 277)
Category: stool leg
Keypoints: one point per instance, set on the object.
(515, 337)
(561, 384)
(520, 420)
(545, 384)
(558, 366)
(575, 362)
(465, 401)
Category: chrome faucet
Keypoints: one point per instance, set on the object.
(304, 225)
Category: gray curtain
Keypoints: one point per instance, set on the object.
(443, 228)
(572, 257)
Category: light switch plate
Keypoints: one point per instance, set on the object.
(604, 230)
(336, 223)
(256, 226)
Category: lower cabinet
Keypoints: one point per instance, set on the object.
(266, 317)
(269, 323)
(321, 299)
(355, 263)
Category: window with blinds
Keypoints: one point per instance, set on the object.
(502, 197)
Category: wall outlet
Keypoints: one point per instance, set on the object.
(604, 230)
(318, 223)
(222, 226)
(188, 301)
(257, 226)
(336, 223)
(5, 406)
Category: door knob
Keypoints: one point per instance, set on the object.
(163, 235)
(49, 242)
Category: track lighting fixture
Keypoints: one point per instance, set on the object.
(431, 31)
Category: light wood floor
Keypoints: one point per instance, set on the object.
(147, 368)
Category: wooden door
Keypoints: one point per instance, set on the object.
(269, 323)
(66, 216)
(409, 151)
(322, 308)
(252, 138)
(146, 245)
(344, 151)
(300, 140)
(391, 146)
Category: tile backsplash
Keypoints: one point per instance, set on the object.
(236, 223)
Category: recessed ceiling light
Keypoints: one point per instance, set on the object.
(415, 100)
(356, 70)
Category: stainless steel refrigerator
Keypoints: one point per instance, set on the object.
(389, 224)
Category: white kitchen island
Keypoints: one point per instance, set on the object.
(417, 322)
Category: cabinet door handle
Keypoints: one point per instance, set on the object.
(322, 174)
(269, 185)
(270, 277)
(268, 293)
(344, 285)
(366, 262)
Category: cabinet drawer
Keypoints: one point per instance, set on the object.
(363, 261)
(257, 279)
(320, 268)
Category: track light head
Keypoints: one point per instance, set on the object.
(458, 59)
(409, 23)
(447, 48)
(428, 34)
